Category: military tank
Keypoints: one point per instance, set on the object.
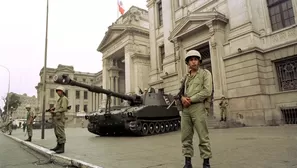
(150, 113)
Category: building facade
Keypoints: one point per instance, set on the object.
(125, 54)
(250, 48)
(80, 99)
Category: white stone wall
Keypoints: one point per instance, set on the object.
(242, 51)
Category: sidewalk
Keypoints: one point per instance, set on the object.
(260, 147)
(15, 155)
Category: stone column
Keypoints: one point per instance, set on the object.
(179, 59)
(111, 79)
(152, 31)
(167, 25)
(105, 78)
(117, 102)
(141, 65)
(129, 70)
(217, 36)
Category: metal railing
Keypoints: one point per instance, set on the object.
(289, 115)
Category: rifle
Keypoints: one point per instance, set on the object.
(177, 97)
(52, 109)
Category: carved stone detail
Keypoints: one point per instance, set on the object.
(213, 45)
(211, 28)
(134, 15)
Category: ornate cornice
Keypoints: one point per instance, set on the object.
(127, 30)
(203, 19)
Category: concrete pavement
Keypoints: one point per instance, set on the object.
(258, 147)
(16, 155)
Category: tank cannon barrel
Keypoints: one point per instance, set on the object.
(65, 80)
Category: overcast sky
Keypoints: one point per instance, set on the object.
(76, 27)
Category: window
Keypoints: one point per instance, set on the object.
(160, 16)
(86, 108)
(85, 94)
(52, 93)
(77, 108)
(287, 73)
(66, 93)
(281, 13)
(77, 94)
(162, 56)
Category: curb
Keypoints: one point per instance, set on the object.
(53, 156)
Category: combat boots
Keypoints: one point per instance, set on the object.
(206, 163)
(55, 148)
(60, 148)
(188, 163)
(29, 139)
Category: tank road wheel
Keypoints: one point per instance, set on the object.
(175, 125)
(162, 127)
(151, 128)
(157, 127)
(167, 126)
(171, 126)
(144, 129)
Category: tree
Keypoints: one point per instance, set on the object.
(13, 103)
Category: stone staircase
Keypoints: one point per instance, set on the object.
(212, 122)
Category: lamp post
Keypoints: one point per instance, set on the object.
(44, 73)
(8, 90)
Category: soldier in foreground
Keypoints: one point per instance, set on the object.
(223, 106)
(58, 116)
(29, 123)
(197, 89)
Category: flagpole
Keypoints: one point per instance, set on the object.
(117, 9)
(44, 73)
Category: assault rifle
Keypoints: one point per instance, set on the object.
(50, 109)
(177, 98)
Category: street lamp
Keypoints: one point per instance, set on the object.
(8, 87)
(44, 73)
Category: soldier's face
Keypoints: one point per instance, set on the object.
(59, 92)
(194, 63)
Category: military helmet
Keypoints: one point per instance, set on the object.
(28, 106)
(193, 53)
(60, 88)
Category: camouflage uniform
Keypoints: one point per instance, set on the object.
(29, 123)
(9, 125)
(58, 117)
(198, 88)
(223, 106)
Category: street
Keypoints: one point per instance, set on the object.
(256, 147)
(16, 155)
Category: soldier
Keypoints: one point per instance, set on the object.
(223, 106)
(24, 126)
(9, 125)
(198, 88)
(58, 116)
(29, 123)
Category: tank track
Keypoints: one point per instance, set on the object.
(143, 128)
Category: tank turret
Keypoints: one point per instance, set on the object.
(147, 113)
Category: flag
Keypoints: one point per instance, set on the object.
(121, 8)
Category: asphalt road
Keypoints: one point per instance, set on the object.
(15, 155)
(250, 147)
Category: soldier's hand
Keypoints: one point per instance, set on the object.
(185, 101)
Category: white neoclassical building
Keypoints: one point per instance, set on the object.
(249, 46)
